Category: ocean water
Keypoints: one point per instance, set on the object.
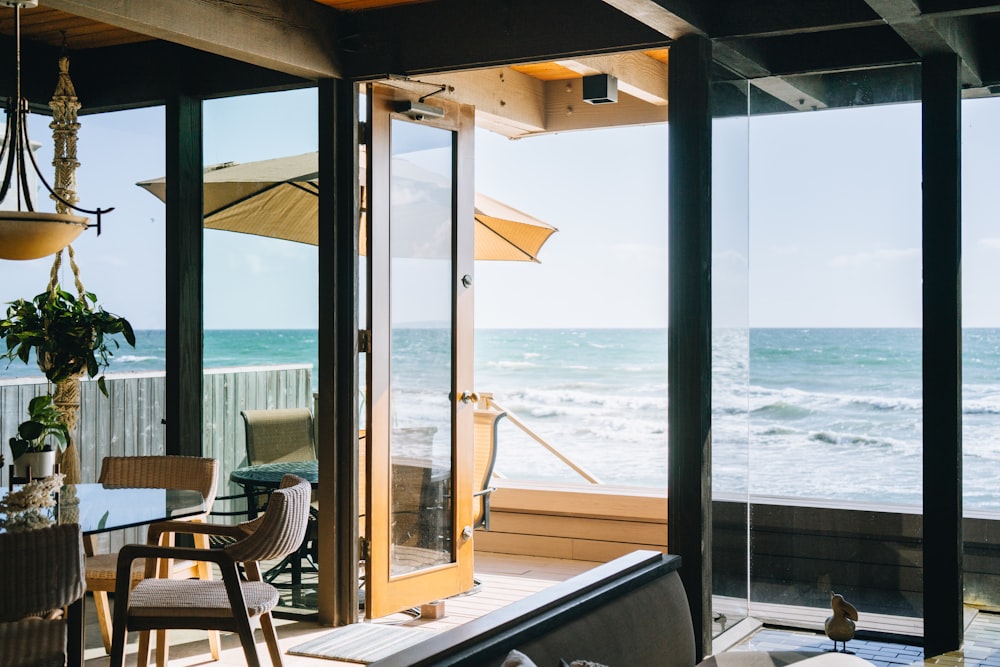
(822, 413)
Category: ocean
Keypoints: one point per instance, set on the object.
(820, 413)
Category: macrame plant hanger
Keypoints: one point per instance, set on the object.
(64, 126)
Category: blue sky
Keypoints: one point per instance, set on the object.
(832, 199)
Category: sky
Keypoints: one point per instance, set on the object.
(816, 221)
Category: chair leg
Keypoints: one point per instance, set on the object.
(103, 617)
(271, 637)
(245, 632)
(162, 648)
(142, 659)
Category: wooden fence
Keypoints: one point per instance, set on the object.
(130, 420)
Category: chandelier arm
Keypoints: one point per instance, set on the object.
(9, 151)
(24, 146)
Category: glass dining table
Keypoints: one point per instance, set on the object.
(98, 509)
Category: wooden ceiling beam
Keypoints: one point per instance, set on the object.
(135, 75)
(507, 102)
(565, 110)
(928, 36)
(291, 37)
(673, 18)
(638, 75)
(449, 35)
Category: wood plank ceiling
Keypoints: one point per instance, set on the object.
(519, 62)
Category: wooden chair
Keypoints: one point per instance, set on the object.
(485, 447)
(151, 472)
(40, 570)
(229, 604)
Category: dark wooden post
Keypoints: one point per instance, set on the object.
(689, 346)
(184, 276)
(337, 404)
(942, 354)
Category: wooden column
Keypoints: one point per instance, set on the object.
(184, 276)
(942, 354)
(689, 340)
(337, 405)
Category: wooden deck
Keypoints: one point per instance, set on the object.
(505, 579)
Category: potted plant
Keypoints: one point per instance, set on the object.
(30, 446)
(69, 335)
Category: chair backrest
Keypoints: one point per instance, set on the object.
(162, 472)
(485, 448)
(284, 434)
(40, 570)
(282, 528)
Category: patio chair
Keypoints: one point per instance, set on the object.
(150, 472)
(230, 604)
(284, 434)
(485, 447)
(40, 570)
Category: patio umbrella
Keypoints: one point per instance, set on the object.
(278, 198)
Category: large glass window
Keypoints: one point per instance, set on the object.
(835, 357)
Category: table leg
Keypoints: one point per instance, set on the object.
(74, 633)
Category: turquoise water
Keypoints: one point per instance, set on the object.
(830, 413)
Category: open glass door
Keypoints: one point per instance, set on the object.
(419, 444)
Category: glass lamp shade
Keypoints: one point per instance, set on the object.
(31, 235)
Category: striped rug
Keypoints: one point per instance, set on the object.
(362, 642)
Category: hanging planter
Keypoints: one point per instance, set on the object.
(69, 336)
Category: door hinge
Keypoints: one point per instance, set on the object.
(362, 133)
(364, 549)
(364, 342)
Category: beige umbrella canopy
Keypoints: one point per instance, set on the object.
(279, 198)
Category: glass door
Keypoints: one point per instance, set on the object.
(419, 491)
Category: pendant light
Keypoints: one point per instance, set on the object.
(26, 233)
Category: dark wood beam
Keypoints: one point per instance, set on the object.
(184, 276)
(136, 75)
(827, 51)
(942, 354)
(673, 18)
(738, 18)
(292, 37)
(927, 36)
(689, 336)
(467, 34)
(337, 406)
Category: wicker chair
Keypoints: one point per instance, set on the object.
(151, 472)
(284, 434)
(229, 604)
(40, 570)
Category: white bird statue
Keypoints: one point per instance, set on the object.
(840, 626)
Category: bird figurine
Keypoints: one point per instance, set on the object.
(840, 626)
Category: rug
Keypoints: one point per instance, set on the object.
(362, 642)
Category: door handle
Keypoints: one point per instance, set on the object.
(470, 397)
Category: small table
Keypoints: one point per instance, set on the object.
(265, 476)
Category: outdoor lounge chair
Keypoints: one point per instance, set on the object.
(229, 604)
(151, 472)
(40, 570)
(485, 445)
(284, 434)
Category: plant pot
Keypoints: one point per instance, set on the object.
(42, 464)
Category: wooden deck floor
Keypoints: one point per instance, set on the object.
(508, 578)
(504, 579)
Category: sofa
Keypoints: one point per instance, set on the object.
(631, 611)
